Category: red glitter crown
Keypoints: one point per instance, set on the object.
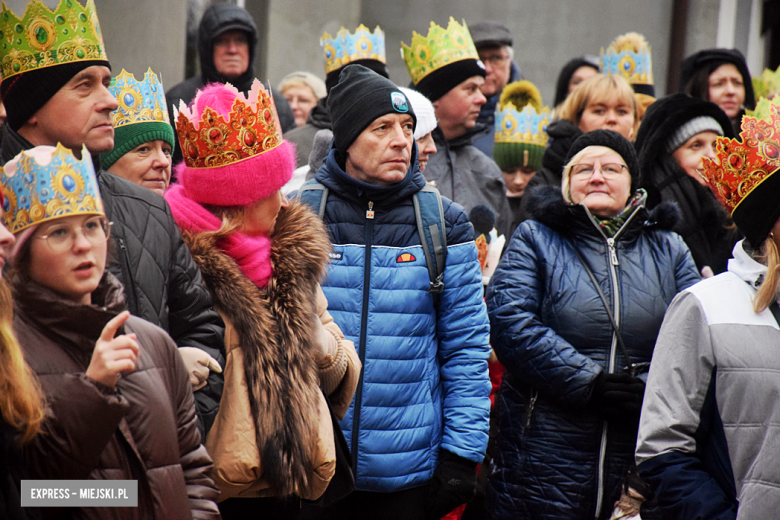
(251, 129)
(738, 168)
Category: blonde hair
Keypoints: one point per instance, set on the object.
(597, 88)
(767, 292)
(303, 79)
(21, 398)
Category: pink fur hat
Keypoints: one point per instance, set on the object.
(245, 173)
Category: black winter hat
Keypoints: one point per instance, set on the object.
(711, 59)
(442, 80)
(361, 96)
(568, 70)
(614, 141)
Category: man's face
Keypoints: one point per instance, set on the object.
(382, 152)
(231, 54)
(78, 114)
(458, 109)
(498, 66)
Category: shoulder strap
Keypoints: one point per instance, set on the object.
(308, 194)
(429, 214)
(775, 310)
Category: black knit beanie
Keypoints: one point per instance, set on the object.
(24, 94)
(613, 141)
(442, 80)
(361, 96)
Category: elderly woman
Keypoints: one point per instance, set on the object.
(119, 402)
(262, 258)
(143, 136)
(722, 77)
(710, 421)
(302, 90)
(677, 132)
(575, 306)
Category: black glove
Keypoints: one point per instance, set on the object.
(618, 396)
(454, 483)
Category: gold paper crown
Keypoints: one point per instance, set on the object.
(347, 47)
(42, 38)
(440, 48)
(139, 101)
(629, 55)
(767, 85)
(740, 167)
(251, 129)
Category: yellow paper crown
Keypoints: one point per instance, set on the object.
(42, 38)
(767, 85)
(347, 47)
(441, 47)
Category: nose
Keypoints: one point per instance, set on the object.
(7, 239)
(597, 176)
(611, 117)
(399, 137)
(730, 87)
(80, 240)
(430, 148)
(107, 100)
(709, 151)
(480, 99)
(161, 160)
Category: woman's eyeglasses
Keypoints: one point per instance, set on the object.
(61, 237)
(609, 170)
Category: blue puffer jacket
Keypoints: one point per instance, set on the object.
(424, 384)
(557, 458)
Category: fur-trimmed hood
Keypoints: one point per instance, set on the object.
(277, 333)
(547, 206)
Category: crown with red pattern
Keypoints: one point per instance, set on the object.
(739, 168)
(251, 129)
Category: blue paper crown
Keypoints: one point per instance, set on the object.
(635, 66)
(526, 126)
(34, 193)
(139, 102)
(347, 47)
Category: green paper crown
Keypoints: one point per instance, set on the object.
(42, 38)
(767, 84)
(440, 48)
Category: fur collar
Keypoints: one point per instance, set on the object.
(546, 205)
(276, 328)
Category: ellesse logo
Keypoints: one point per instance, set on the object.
(405, 257)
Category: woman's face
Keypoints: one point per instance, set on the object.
(517, 179)
(68, 255)
(727, 89)
(580, 75)
(302, 100)
(608, 114)
(260, 217)
(7, 241)
(148, 165)
(689, 155)
(605, 190)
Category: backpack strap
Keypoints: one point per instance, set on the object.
(429, 214)
(314, 195)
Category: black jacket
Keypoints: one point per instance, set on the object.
(162, 283)
(217, 19)
(303, 136)
(13, 469)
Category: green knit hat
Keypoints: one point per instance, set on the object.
(521, 127)
(128, 137)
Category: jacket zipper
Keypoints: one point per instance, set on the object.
(132, 304)
(363, 333)
(613, 263)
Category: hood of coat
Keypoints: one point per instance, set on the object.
(547, 206)
(276, 331)
(746, 267)
(65, 321)
(319, 117)
(562, 135)
(218, 18)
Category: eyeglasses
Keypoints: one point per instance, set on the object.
(61, 237)
(609, 170)
(495, 60)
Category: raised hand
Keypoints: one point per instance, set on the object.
(113, 355)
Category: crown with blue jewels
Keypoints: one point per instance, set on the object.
(524, 126)
(629, 56)
(346, 47)
(36, 190)
(139, 101)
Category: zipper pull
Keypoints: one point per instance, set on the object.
(612, 253)
(370, 211)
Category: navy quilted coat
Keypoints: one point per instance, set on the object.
(424, 385)
(556, 458)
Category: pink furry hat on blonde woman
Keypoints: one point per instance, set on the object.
(232, 145)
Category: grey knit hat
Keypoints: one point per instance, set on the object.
(691, 128)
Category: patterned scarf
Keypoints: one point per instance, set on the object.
(611, 225)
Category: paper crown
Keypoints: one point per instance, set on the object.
(42, 38)
(139, 102)
(46, 183)
(629, 55)
(521, 118)
(347, 47)
(740, 167)
(767, 85)
(441, 47)
(252, 128)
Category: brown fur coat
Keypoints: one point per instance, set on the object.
(276, 328)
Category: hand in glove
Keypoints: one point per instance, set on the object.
(618, 396)
(454, 483)
(198, 363)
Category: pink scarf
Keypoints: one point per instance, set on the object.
(252, 254)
